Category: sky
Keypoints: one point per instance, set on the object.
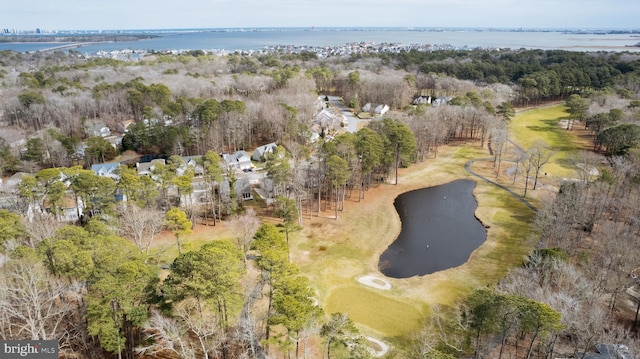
(178, 14)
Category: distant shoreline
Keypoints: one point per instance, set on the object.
(97, 36)
(323, 41)
(56, 39)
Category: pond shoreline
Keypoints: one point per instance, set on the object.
(439, 230)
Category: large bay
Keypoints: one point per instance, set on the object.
(256, 39)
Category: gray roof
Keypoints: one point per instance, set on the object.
(260, 151)
(104, 167)
(608, 351)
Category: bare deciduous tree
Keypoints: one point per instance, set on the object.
(41, 226)
(246, 224)
(35, 305)
(167, 334)
(141, 225)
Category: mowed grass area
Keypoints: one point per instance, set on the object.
(334, 253)
(380, 312)
(543, 124)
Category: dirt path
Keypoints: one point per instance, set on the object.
(467, 168)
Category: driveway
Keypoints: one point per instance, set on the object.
(352, 121)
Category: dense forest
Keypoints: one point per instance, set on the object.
(95, 285)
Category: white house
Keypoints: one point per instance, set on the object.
(381, 109)
(242, 188)
(376, 109)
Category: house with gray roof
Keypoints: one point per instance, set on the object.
(328, 119)
(239, 160)
(607, 351)
(106, 170)
(260, 152)
(192, 163)
(145, 168)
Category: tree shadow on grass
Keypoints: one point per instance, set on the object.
(549, 125)
(567, 163)
(558, 138)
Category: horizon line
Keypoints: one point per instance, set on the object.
(245, 28)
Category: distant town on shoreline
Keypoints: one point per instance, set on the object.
(324, 41)
(48, 35)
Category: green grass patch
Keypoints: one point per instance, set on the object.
(380, 313)
(543, 124)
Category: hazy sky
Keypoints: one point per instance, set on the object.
(155, 14)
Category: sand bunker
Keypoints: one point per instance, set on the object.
(381, 348)
(374, 282)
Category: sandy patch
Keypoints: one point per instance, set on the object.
(374, 282)
(380, 348)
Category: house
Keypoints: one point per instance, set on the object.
(381, 109)
(145, 168)
(329, 120)
(106, 170)
(314, 137)
(376, 109)
(258, 153)
(115, 141)
(69, 208)
(242, 188)
(191, 162)
(123, 126)
(422, 100)
(101, 130)
(201, 196)
(441, 101)
(239, 160)
(607, 351)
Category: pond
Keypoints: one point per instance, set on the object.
(439, 230)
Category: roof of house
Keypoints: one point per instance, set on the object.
(103, 168)
(187, 159)
(191, 161)
(146, 166)
(238, 156)
(260, 151)
(608, 351)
